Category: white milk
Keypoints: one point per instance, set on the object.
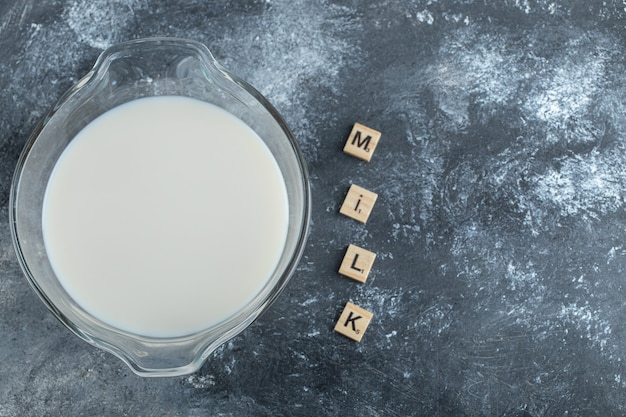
(164, 216)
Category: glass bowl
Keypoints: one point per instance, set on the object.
(123, 73)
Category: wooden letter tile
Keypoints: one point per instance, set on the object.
(362, 142)
(358, 203)
(353, 321)
(357, 263)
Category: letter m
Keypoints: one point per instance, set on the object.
(361, 142)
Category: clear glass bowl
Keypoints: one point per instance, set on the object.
(125, 72)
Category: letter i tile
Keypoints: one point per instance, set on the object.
(353, 321)
(358, 203)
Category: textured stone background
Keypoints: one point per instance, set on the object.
(499, 284)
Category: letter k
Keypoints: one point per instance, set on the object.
(351, 320)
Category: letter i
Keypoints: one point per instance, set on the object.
(357, 204)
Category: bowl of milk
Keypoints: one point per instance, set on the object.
(161, 206)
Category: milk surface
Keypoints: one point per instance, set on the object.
(165, 216)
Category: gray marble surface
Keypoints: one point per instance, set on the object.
(498, 289)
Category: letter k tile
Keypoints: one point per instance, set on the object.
(353, 321)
